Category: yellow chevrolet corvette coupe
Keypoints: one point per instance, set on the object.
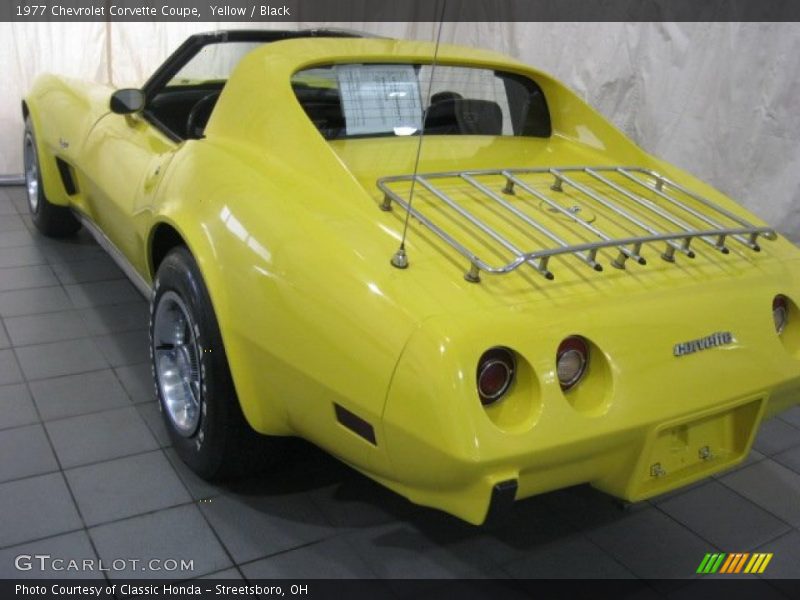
(436, 263)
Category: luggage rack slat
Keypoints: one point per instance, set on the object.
(668, 254)
(470, 217)
(625, 253)
(658, 189)
(628, 246)
(616, 209)
(588, 258)
(697, 197)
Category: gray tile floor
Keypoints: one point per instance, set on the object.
(86, 470)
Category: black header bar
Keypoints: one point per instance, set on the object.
(345, 11)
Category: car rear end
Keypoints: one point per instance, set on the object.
(594, 315)
(636, 393)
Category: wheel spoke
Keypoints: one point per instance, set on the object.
(176, 365)
(31, 173)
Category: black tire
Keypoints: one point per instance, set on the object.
(50, 219)
(222, 445)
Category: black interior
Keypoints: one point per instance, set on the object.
(182, 112)
(185, 111)
(448, 114)
(324, 107)
(199, 115)
(172, 107)
(169, 108)
(462, 116)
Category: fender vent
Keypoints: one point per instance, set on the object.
(66, 177)
(355, 424)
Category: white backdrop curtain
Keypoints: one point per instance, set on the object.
(717, 99)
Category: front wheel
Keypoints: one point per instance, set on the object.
(50, 219)
(192, 379)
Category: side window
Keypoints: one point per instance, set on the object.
(527, 106)
(317, 90)
(184, 105)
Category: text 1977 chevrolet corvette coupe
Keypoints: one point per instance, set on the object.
(445, 269)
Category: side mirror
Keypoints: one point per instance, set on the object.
(127, 101)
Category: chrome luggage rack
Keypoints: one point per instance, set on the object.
(601, 190)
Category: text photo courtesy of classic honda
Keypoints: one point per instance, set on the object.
(434, 262)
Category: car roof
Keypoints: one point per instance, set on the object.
(273, 35)
(300, 51)
(328, 42)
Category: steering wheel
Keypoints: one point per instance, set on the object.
(199, 115)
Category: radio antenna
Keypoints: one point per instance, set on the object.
(400, 258)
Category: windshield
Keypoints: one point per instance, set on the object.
(366, 100)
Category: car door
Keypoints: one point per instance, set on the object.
(126, 158)
(128, 153)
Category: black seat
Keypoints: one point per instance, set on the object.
(200, 114)
(443, 96)
(324, 108)
(464, 116)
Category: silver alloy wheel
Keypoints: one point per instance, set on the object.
(177, 363)
(31, 173)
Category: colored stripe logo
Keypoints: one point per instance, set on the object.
(737, 562)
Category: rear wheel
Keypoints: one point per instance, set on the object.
(52, 220)
(193, 382)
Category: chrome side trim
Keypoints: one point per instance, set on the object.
(639, 196)
(12, 180)
(116, 255)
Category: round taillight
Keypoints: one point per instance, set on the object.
(780, 313)
(572, 359)
(495, 374)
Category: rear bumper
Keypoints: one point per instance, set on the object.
(667, 455)
(630, 464)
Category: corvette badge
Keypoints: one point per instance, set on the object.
(720, 338)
